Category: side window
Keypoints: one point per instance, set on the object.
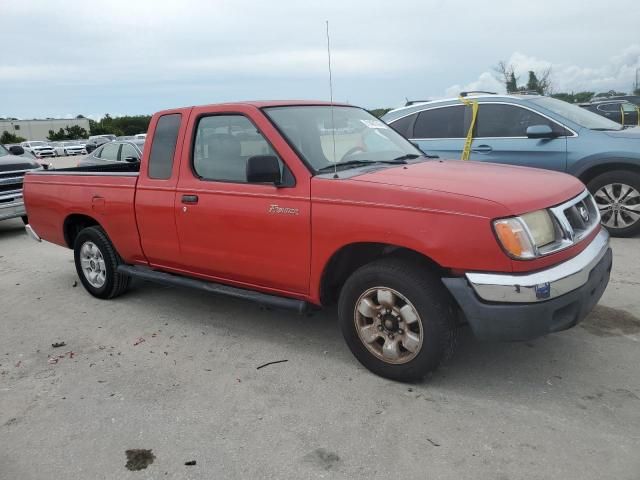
(404, 125)
(163, 146)
(609, 107)
(445, 122)
(223, 145)
(498, 120)
(128, 151)
(110, 152)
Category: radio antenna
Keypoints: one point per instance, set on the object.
(333, 125)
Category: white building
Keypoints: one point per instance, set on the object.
(39, 129)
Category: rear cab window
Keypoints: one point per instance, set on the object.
(163, 146)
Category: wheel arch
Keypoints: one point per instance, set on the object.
(74, 224)
(348, 258)
(598, 166)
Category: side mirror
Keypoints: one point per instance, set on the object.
(263, 169)
(16, 150)
(131, 159)
(540, 131)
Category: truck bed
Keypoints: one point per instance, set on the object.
(103, 193)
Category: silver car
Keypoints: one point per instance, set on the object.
(112, 152)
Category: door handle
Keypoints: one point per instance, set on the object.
(190, 199)
(482, 149)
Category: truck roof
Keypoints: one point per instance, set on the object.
(268, 103)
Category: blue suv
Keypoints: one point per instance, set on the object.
(537, 131)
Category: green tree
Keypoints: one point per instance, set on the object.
(582, 97)
(532, 83)
(7, 137)
(74, 132)
(57, 136)
(512, 82)
(126, 125)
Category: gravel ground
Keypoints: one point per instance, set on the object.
(174, 371)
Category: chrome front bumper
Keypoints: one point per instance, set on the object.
(11, 206)
(545, 284)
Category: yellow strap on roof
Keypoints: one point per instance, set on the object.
(466, 151)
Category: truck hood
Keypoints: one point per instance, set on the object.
(626, 133)
(518, 189)
(10, 163)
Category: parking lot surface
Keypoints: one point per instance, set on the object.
(175, 371)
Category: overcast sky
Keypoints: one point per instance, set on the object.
(62, 58)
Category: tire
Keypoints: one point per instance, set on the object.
(25, 219)
(617, 195)
(426, 298)
(107, 283)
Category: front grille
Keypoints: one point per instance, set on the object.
(10, 188)
(11, 181)
(582, 216)
(7, 176)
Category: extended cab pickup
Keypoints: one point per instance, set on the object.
(301, 204)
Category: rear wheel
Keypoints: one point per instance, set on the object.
(617, 195)
(97, 262)
(397, 319)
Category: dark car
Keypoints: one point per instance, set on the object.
(619, 110)
(110, 152)
(13, 167)
(95, 142)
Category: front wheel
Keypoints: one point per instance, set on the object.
(397, 319)
(97, 262)
(617, 195)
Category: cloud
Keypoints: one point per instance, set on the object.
(617, 73)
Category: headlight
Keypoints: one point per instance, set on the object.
(522, 236)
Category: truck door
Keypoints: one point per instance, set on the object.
(232, 230)
(155, 192)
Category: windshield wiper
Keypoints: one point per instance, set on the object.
(607, 129)
(408, 156)
(359, 163)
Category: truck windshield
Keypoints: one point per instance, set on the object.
(578, 115)
(360, 138)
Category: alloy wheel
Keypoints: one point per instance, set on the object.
(93, 265)
(619, 205)
(388, 325)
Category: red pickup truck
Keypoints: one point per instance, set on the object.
(302, 204)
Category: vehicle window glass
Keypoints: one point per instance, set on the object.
(575, 114)
(497, 120)
(629, 108)
(446, 122)
(223, 145)
(324, 135)
(128, 151)
(163, 146)
(110, 152)
(609, 107)
(404, 126)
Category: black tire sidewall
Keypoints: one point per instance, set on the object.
(427, 298)
(617, 176)
(92, 234)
